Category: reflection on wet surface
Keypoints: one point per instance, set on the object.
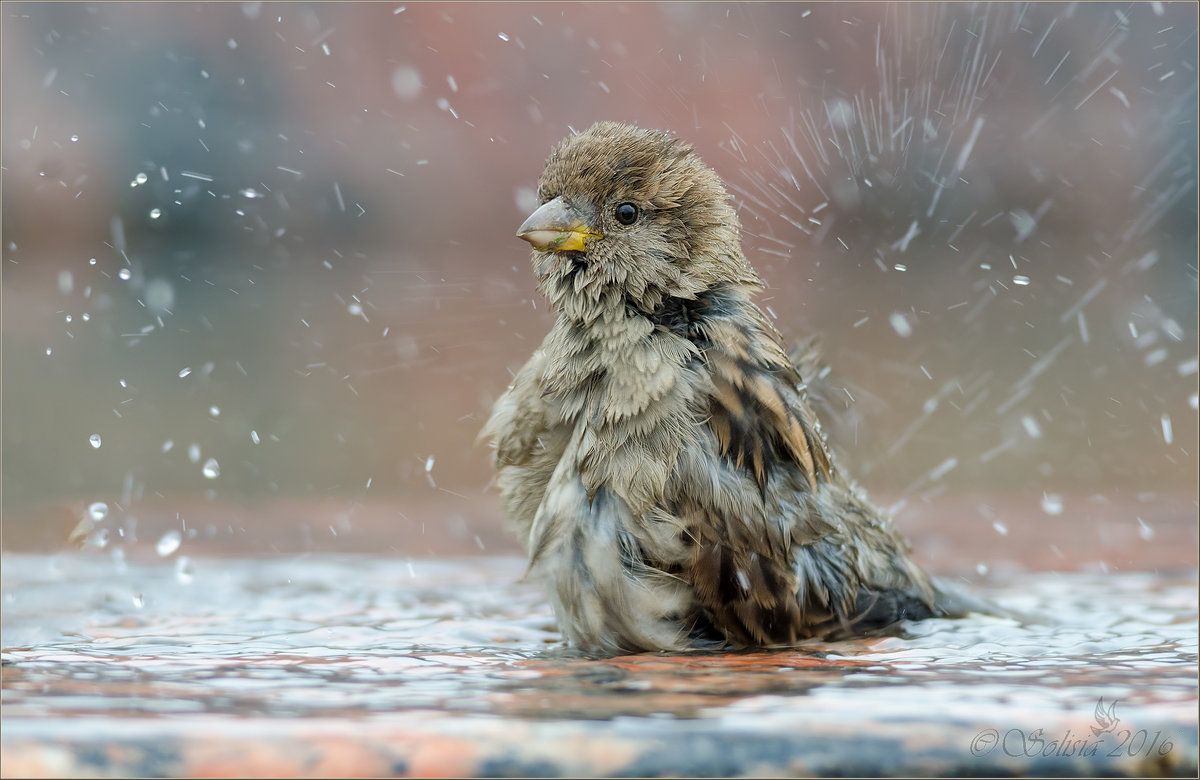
(375, 638)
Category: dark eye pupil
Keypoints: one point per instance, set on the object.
(626, 213)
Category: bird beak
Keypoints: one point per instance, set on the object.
(555, 227)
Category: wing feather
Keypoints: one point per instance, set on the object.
(758, 411)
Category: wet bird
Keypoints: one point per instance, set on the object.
(658, 455)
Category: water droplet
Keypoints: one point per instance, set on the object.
(168, 543)
(95, 440)
(355, 309)
(1031, 426)
(155, 213)
(139, 600)
(1021, 280)
(429, 464)
(900, 324)
(251, 193)
(124, 274)
(185, 570)
(85, 317)
(194, 453)
(254, 437)
(981, 568)
(184, 372)
(212, 469)
(503, 37)
(159, 296)
(1052, 503)
(141, 178)
(840, 112)
(74, 139)
(526, 199)
(97, 510)
(1000, 527)
(92, 261)
(214, 410)
(167, 445)
(406, 82)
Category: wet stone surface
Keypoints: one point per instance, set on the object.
(363, 665)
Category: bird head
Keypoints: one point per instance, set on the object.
(628, 217)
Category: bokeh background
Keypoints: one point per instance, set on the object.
(261, 284)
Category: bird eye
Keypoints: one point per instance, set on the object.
(626, 213)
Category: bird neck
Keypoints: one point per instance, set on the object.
(627, 351)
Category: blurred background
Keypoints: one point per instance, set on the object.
(261, 285)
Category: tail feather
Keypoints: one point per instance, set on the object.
(949, 600)
(953, 601)
(880, 611)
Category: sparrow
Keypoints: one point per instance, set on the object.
(658, 455)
